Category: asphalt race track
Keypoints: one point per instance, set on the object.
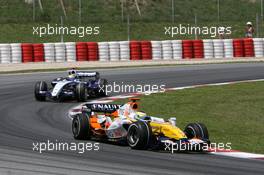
(24, 121)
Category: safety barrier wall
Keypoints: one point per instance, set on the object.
(60, 52)
(135, 50)
(156, 50)
(167, 50)
(5, 52)
(258, 47)
(92, 51)
(81, 51)
(114, 51)
(103, 48)
(16, 52)
(177, 49)
(146, 50)
(132, 50)
(238, 47)
(38, 52)
(228, 48)
(208, 49)
(124, 50)
(70, 51)
(219, 51)
(198, 49)
(49, 52)
(187, 49)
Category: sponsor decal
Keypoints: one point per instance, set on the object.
(105, 107)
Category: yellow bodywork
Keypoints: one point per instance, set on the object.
(167, 130)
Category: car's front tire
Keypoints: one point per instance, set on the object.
(40, 86)
(196, 130)
(81, 127)
(139, 135)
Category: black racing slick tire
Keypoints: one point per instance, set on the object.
(81, 127)
(196, 130)
(139, 135)
(40, 86)
(81, 92)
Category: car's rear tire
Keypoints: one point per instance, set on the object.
(196, 130)
(139, 135)
(81, 92)
(40, 86)
(81, 127)
(102, 90)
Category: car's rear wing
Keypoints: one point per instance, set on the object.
(84, 73)
(102, 107)
(87, 74)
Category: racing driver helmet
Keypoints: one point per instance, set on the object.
(72, 74)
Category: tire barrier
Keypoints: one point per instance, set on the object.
(156, 50)
(38, 52)
(177, 49)
(133, 50)
(218, 48)
(208, 49)
(70, 51)
(103, 48)
(114, 51)
(5, 51)
(81, 51)
(60, 52)
(187, 48)
(167, 52)
(92, 51)
(124, 50)
(258, 47)
(248, 47)
(238, 48)
(146, 50)
(49, 50)
(198, 49)
(228, 47)
(27, 52)
(16, 52)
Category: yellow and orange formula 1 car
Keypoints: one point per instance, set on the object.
(125, 123)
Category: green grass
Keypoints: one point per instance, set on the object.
(232, 113)
(108, 32)
(16, 18)
(100, 11)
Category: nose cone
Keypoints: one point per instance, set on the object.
(168, 130)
